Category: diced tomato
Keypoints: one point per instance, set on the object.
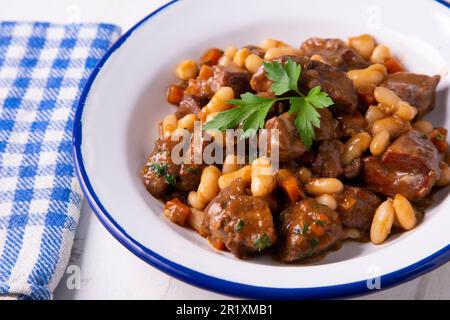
(219, 245)
(288, 182)
(293, 189)
(438, 136)
(177, 212)
(393, 65)
(324, 218)
(317, 229)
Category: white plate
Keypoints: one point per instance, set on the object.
(115, 127)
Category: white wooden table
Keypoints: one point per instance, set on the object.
(108, 270)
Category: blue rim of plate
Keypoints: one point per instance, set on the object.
(212, 283)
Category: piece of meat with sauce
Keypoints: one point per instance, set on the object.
(160, 172)
(308, 228)
(410, 166)
(356, 207)
(417, 89)
(231, 76)
(328, 126)
(328, 161)
(188, 105)
(290, 146)
(350, 125)
(335, 52)
(333, 81)
(190, 171)
(243, 223)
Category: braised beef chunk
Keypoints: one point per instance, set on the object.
(350, 125)
(308, 228)
(411, 151)
(328, 161)
(328, 126)
(356, 207)
(234, 77)
(242, 222)
(290, 146)
(417, 89)
(259, 81)
(160, 172)
(200, 90)
(335, 52)
(190, 171)
(410, 166)
(333, 81)
(188, 105)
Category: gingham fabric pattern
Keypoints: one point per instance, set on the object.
(43, 67)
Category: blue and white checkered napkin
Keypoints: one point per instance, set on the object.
(43, 67)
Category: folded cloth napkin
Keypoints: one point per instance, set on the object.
(43, 67)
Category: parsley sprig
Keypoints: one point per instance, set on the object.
(252, 110)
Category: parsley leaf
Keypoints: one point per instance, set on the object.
(307, 118)
(319, 99)
(251, 113)
(284, 76)
(252, 110)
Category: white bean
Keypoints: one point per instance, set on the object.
(382, 222)
(320, 186)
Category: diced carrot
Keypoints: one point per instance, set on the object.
(393, 65)
(176, 211)
(219, 245)
(211, 56)
(175, 94)
(317, 229)
(293, 189)
(206, 72)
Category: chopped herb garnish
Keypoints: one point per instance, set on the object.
(263, 242)
(239, 226)
(313, 243)
(252, 110)
(316, 206)
(440, 137)
(170, 179)
(161, 171)
(305, 229)
(320, 223)
(301, 230)
(192, 170)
